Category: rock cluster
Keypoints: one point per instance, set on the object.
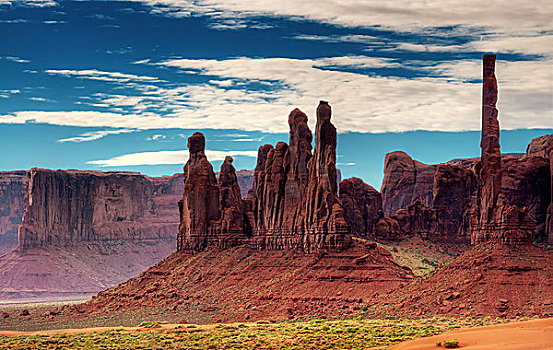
(493, 218)
(294, 201)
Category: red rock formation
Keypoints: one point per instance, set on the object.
(296, 167)
(415, 219)
(453, 190)
(321, 216)
(543, 147)
(362, 206)
(230, 200)
(405, 181)
(13, 186)
(70, 206)
(199, 206)
(493, 218)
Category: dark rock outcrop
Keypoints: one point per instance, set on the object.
(362, 206)
(543, 147)
(493, 218)
(322, 217)
(453, 190)
(415, 219)
(405, 181)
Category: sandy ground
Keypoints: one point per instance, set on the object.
(528, 335)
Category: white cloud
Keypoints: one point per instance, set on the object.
(29, 3)
(95, 135)
(165, 157)
(157, 137)
(449, 101)
(40, 99)
(16, 59)
(405, 15)
(94, 74)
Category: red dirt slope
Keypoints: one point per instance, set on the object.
(240, 283)
(489, 279)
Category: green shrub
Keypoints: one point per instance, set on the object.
(451, 344)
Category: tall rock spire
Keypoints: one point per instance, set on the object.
(199, 206)
(323, 216)
(493, 218)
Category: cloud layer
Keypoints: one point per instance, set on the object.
(165, 157)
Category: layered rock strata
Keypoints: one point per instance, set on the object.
(493, 218)
(63, 207)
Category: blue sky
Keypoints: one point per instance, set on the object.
(121, 84)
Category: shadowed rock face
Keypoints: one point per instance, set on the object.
(543, 147)
(493, 218)
(13, 186)
(321, 211)
(362, 206)
(405, 181)
(453, 192)
(63, 207)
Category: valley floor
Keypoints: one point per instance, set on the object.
(352, 333)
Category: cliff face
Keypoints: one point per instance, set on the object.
(543, 147)
(13, 186)
(63, 207)
(493, 218)
(362, 207)
(405, 181)
(293, 203)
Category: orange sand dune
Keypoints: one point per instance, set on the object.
(528, 335)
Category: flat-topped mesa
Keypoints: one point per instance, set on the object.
(493, 218)
(199, 206)
(65, 207)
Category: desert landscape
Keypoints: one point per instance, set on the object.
(394, 186)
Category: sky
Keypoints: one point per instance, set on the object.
(120, 85)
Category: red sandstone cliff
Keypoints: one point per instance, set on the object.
(405, 181)
(70, 206)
